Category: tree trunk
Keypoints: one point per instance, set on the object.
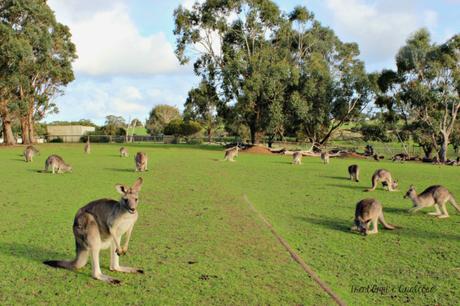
(252, 131)
(31, 126)
(8, 137)
(209, 135)
(25, 130)
(444, 147)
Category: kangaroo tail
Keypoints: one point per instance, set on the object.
(454, 203)
(386, 225)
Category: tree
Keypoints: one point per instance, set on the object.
(179, 127)
(114, 125)
(201, 105)
(40, 54)
(431, 84)
(136, 123)
(160, 116)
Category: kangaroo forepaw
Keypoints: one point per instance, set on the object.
(121, 252)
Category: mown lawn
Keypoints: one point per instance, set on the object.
(199, 243)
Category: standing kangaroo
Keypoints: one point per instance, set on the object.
(434, 195)
(123, 152)
(297, 158)
(353, 171)
(100, 225)
(29, 153)
(231, 153)
(87, 146)
(383, 176)
(369, 210)
(325, 157)
(57, 165)
(141, 160)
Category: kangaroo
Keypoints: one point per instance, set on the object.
(369, 210)
(87, 146)
(29, 153)
(325, 157)
(297, 158)
(434, 195)
(400, 157)
(231, 153)
(353, 171)
(100, 225)
(383, 176)
(57, 165)
(123, 152)
(141, 160)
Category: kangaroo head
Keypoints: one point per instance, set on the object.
(411, 192)
(361, 225)
(130, 195)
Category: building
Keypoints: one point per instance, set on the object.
(68, 133)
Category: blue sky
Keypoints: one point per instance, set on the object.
(127, 65)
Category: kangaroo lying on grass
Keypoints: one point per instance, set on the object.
(325, 157)
(231, 153)
(297, 158)
(141, 160)
(367, 211)
(87, 147)
(100, 225)
(29, 153)
(123, 152)
(56, 164)
(383, 176)
(353, 171)
(433, 195)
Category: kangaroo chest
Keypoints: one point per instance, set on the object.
(123, 224)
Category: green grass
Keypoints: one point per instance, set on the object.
(199, 243)
(140, 131)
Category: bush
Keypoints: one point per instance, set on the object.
(373, 132)
(56, 140)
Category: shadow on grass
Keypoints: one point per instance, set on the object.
(18, 159)
(330, 223)
(398, 211)
(349, 186)
(342, 178)
(120, 170)
(32, 252)
(284, 163)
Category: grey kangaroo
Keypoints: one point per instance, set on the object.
(231, 153)
(141, 160)
(56, 164)
(297, 158)
(367, 211)
(100, 225)
(123, 152)
(353, 171)
(29, 153)
(325, 157)
(87, 146)
(383, 176)
(436, 196)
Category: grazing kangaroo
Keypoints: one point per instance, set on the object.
(353, 171)
(325, 157)
(141, 160)
(29, 153)
(57, 165)
(87, 146)
(297, 158)
(383, 176)
(369, 210)
(100, 225)
(123, 152)
(231, 153)
(434, 195)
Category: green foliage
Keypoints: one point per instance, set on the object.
(178, 127)
(159, 118)
(85, 122)
(114, 125)
(374, 132)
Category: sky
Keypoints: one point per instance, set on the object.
(127, 64)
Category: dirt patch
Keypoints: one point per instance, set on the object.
(258, 150)
(352, 155)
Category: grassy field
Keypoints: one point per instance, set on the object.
(200, 243)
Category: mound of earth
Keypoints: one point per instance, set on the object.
(258, 150)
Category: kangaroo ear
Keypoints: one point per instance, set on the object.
(137, 185)
(122, 189)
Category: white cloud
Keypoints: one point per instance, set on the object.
(109, 43)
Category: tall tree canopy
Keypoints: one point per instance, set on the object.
(159, 118)
(35, 63)
(273, 72)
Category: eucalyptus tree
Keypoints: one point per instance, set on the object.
(159, 118)
(431, 84)
(47, 67)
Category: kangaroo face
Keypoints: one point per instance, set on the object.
(410, 193)
(130, 195)
(362, 226)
